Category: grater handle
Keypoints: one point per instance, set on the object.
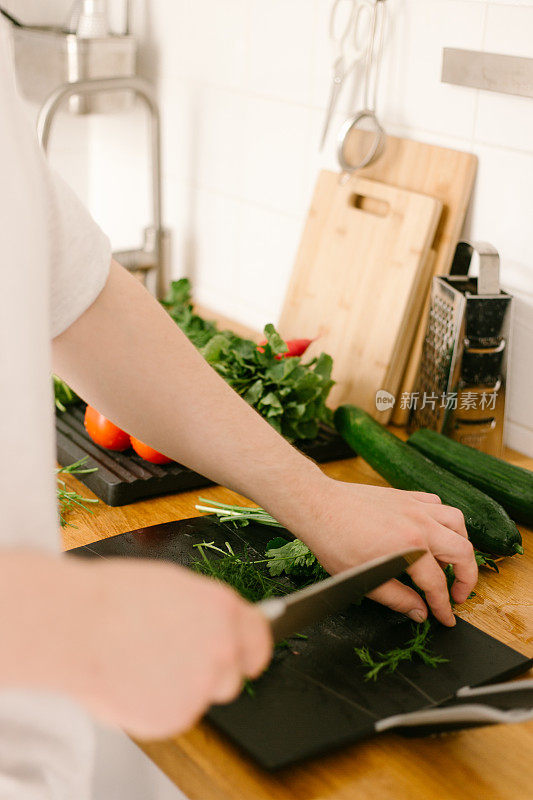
(488, 281)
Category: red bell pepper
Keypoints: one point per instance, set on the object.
(296, 347)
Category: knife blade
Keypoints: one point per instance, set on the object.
(288, 615)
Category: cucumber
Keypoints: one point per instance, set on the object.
(489, 527)
(509, 485)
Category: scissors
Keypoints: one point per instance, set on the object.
(346, 32)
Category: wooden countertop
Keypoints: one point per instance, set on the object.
(495, 763)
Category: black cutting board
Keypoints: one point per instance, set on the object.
(314, 698)
(124, 478)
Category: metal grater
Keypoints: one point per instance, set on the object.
(460, 388)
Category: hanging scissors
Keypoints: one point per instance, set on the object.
(345, 32)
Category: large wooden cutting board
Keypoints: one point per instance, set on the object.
(359, 281)
(440, 172)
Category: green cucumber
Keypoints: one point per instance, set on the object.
(489, 527)
(509, 485)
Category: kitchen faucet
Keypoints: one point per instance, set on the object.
(151, 260)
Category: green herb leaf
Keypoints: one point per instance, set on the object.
(290, 395)
(389, 661)
(294, 559)
(274, 340)
(68, 498)
(240, 572)
(63, 395)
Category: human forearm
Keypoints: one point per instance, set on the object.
(130, 360)
(141, 644)
(146, 376)
(41, 600)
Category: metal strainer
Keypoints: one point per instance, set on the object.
(371, 142)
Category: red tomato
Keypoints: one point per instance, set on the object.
(148, 453)
(104, 432)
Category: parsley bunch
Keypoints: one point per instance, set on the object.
(290, 395)
(294, 559)
(179, 305)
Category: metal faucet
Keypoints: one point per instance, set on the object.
(151, 261)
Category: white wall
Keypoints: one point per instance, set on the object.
(243, 86)
(70, 140)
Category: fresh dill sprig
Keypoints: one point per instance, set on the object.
(389, 661)
(68, 498)
(292, 558)
(482, 560)
(239, 515)
(295, 560)
(240, 572)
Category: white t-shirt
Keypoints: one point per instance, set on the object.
(54, 261)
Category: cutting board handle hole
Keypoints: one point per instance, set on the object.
(372, 205)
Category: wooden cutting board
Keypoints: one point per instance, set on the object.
(358, 282)
(440, 172)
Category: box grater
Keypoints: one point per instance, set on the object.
(460, 388)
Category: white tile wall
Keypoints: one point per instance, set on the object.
(275, 157)
(503, 118)
(243, 85)
(70, 138)
(412, 93)
(280, 62)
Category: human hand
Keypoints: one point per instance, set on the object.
(161, 644)
(347, 524)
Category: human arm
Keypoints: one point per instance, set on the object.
(126, 357)
(147, 646)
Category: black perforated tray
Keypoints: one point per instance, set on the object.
(314, 698)
(123, 478)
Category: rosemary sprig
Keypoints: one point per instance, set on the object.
(68, 498)
(389, 661)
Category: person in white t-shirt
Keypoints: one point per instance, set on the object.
(144, 646)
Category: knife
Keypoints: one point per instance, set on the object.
(288, 615)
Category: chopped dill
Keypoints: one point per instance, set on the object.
(240, 572)
(389, 661)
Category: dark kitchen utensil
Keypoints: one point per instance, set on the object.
(123, 478)
(314, 697)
